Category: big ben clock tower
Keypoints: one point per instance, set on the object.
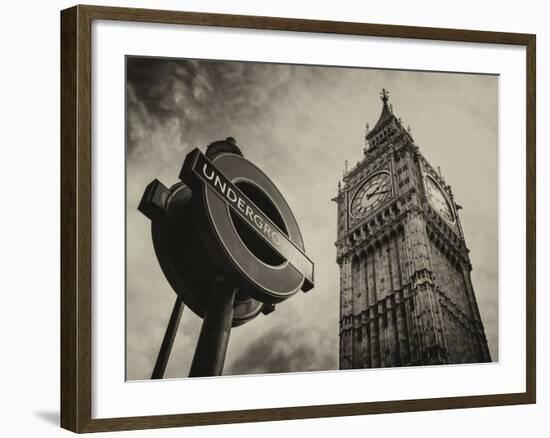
(406, 295)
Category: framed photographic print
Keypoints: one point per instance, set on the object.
(341, 214)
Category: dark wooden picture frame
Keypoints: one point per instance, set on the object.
(76, 218)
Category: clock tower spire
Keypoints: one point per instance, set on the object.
(385, 96)
(406, 295)
(387, 126)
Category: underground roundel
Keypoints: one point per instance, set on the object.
(247, 226)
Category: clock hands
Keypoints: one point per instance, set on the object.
(376, 192)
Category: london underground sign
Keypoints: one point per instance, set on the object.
(229, 246)
(198, 168)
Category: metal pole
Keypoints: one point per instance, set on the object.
(168, 340)
(216, 327)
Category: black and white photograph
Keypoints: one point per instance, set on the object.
(275, 219)
(297, 218)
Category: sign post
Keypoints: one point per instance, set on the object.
(210, 352)
(168, 340)
(229, 246)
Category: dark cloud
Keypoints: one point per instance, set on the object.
(198, 95)
(273, 353)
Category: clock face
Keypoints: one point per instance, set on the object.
(371, 195)
(438, 199)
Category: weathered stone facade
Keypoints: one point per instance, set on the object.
(406, 296)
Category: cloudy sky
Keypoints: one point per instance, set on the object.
(299, 124)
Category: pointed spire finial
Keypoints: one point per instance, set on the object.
(385, 95)
(391, 107)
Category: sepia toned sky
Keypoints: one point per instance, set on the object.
(299, 124)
